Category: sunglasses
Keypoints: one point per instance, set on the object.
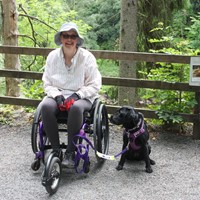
(66, 36)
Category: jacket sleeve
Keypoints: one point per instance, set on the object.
(93, 79)
(49, 89)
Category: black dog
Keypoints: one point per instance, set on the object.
(135, 136)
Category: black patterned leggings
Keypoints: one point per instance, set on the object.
(49, 112)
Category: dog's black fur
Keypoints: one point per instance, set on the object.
(129, 118)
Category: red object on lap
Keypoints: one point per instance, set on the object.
(67, 104)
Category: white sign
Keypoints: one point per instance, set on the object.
(195, 71)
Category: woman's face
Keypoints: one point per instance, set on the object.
(69, 39)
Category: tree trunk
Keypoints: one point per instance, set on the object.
(10, 37)
(128, 34)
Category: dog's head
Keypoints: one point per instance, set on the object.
(125, 116)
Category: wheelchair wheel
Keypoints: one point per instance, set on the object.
(101, 131)
(35, 135)
(35, 165)
(52, 174)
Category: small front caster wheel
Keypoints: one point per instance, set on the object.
(52, 175)
(35, 165)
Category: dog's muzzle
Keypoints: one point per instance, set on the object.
(113, 120)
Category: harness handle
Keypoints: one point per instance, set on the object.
(80, 155)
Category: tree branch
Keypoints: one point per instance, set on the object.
(35, 18)
(33, 38)
(33, 32)
(27, 36)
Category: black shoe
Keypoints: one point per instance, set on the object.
(68, 160)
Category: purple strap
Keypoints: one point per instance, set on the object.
(123, 151)
(80, 148)
(133, 135)
(81, 155)
(40, 154)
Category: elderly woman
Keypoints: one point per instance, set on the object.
(71, 75)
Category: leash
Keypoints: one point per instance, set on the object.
(111, 157)
(100, 155)
(132, 136)
(83, 150)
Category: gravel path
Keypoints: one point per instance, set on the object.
(176, 174)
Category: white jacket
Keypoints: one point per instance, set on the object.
(82, 77)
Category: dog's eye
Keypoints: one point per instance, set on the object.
(122, 115)
(123, 112)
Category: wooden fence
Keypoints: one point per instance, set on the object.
(127, 82)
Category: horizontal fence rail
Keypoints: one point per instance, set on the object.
(113, 55)
(111, 109)
(116, 81)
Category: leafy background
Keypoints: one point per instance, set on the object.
(170, 27)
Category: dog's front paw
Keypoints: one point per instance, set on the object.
(149, 170)
(152, 162)
(119, 167)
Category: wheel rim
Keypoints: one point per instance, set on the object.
(35, 136)
(102, 130)
(95, 117)
(52, 174)
(35, 133)
(55, 173)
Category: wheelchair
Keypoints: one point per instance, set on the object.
(95, 126)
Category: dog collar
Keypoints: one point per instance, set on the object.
(136, 130)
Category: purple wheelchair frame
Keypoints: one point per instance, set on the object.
(82, 150)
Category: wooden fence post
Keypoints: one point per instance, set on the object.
(196, 125)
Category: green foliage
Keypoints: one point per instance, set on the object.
(193, 32)
(2, 86)
(110, 91)
(38, 23)
(150, 14)
(40, 20)
(6, 116)
(37, 26)
(169, 103)
(104, 18)
(169, 117)
(195, 6)
(32, 90)
(180, 22)
(108, 68)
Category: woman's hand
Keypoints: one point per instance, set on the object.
(60, 100)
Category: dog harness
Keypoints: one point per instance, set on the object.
(132, 134)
